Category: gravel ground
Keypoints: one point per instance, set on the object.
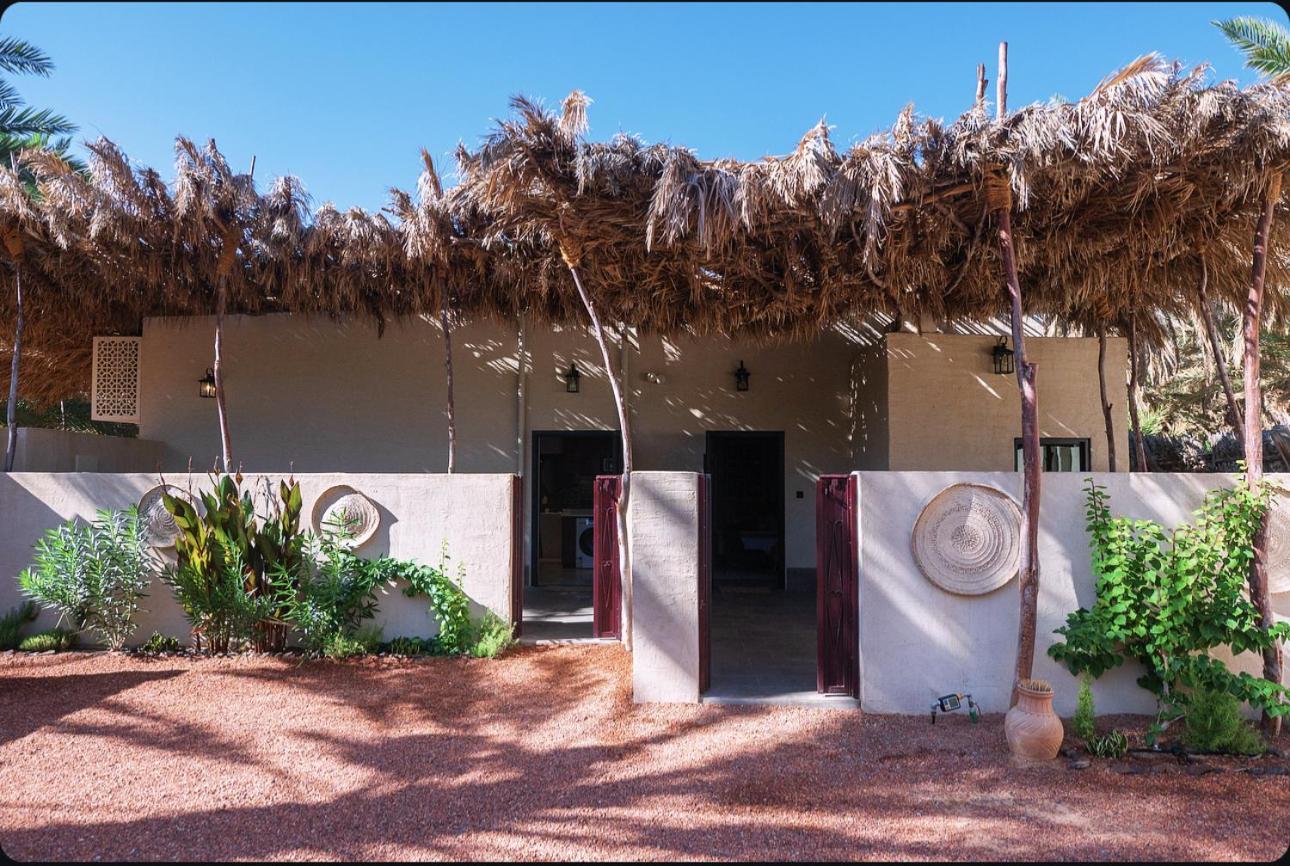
(541, 755)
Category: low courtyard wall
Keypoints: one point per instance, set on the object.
(918, 641)
(43, 450)
(473, 515)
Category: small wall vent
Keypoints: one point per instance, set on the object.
(114, 385)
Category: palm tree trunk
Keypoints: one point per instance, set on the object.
(999, 199)
(1106, 404)
(1140, 449)
(447, 363)
(1220, 360)
(624, 425)
(1252, 321)
(11, 409)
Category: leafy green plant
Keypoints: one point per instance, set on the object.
(160, 643)
(93, 574)
(1165, 600)
(225, 544)
(330, 591)
(411, 646)
(1082, 723)
(1213, 723)
(56, 639)
(12, 623)
(342, 646)
(492, 637)
(448, 602)
(1113, 744)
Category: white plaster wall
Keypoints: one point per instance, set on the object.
(42, 450)
(663, 528)
(419, 513)
(948, 410)
(918, 642)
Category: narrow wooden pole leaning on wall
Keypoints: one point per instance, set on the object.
(446, 322)
(228, 256)
(14, 246)
(1107, 416)
(624, 425)
(1251, 322)
(1220, 359)
(999, 201)
(1139, 448)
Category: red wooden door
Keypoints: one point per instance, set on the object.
(705, 582)
(837, 598)
(606, 582)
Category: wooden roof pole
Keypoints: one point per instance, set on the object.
(14, 245)
(1251, 322)
(1139, 447)
(999, 200)
(1106, 404)
(572, 260)
(1220, 360)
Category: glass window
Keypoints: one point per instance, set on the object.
(1058, 455)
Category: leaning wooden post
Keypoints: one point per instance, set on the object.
(624, 425)
(447, 363)
(228, 255)
(1140, 449)
(1252, 320)
(14, 246)
(999, 201)
(1220, 360)
(1107, 417)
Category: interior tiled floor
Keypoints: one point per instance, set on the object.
(557, 613)
(763, 647)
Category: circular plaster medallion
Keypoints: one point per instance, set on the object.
(342, 508)
(158, 523)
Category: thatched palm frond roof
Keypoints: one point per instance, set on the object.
(1118, 199)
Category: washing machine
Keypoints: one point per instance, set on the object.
(584, 533)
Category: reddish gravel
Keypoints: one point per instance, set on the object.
(542, 756)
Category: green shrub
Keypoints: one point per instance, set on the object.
(1112, 745)
(56, 639)
(1082, 723)
(226, 546)
(331, 590)
(1213, 723)
(1166, 599)
(11, 624)
(448, 602)
(93, 574)
(341, 646)
(492, 637)
(160, 643)
(370, 635)
(411, 646)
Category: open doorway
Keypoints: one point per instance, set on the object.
(762, 644)
(558, 599)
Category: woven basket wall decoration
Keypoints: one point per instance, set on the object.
(1279, 545)
(342, 505)
(967, 539)
(158, 523)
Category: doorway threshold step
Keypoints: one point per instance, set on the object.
(787, 699)
(564, 641)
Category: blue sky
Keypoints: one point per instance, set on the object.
(344, 96)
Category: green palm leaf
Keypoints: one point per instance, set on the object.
(23, 58)
(1265, 44)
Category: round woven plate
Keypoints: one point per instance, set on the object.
(158, 523)
(967, 539)
(1279, 545)
(343, 504)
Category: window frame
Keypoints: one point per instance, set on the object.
(1085, 445)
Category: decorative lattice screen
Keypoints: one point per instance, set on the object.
(114, 389)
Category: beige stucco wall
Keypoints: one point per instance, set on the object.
(948, 410)
(663, 527)
(419, 513)
(41, 450)
(918, 642)
(322, 395)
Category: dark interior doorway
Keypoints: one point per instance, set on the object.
(747, 471)
(565, 466)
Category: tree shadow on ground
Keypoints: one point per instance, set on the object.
(29, 703)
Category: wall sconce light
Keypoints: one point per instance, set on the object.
(741, 377)
(655, 378)
(1002, 356)
(206, 384)
(571, 379)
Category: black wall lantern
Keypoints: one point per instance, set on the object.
(571, 379)
(206, 384)
(741, 377)
(1002, 357)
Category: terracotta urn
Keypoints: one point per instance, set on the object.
(1034, 732)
